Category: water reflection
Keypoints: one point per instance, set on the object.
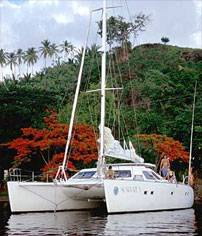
(152, 223)
(95, 223)
(60, 223)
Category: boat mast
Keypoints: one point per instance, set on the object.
(191, 139)
(61, 169)
(101, 159)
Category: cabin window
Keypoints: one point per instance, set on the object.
(148, 175)
(122, 173)
(138, 177)
(84, 175)
(155, 175)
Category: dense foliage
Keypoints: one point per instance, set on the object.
(157, 97)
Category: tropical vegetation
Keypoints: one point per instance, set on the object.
(154, 109)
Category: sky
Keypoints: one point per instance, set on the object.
(25, 23)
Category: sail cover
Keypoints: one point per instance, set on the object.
(114, 149)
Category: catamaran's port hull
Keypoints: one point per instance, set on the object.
(37, 196)
(137, 196)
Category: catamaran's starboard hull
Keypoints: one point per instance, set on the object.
(38, 196)
(136, 196)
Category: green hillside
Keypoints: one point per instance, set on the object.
(157, 98)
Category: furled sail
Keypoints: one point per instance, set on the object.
(114, 149)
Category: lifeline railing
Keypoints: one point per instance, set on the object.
(15, 174)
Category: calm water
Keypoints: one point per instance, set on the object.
(183, 222)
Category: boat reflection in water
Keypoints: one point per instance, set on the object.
(180, 222)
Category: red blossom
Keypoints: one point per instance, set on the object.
(49, 143)
(164, 145)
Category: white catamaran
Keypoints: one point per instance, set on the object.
(136, 186)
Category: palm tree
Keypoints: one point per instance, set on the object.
(54, 51)
(72, 50)
(30, 57)
(67, 48)
(26, 78)
(78, 56)
(45, 49)
(12, 61)
(3, 58)
(93, 50)
(19, 55)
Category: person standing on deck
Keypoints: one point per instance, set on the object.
(165, 164)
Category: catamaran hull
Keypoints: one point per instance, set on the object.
(37, 196)
(136, 196)
(120, 196)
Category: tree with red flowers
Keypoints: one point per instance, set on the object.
(163, 146)
(49, 144)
